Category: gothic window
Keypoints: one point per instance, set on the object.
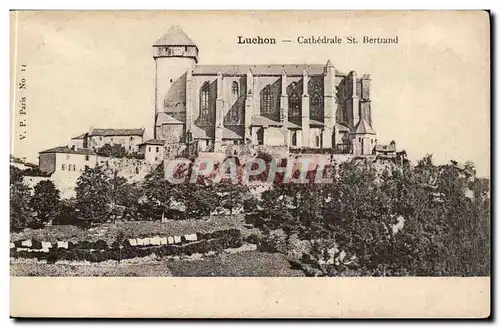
(318, 141)
(266, 101)
(316, 102)
(205, 102)
(235, 90)
(294, 105)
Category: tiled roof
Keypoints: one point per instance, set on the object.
(67, 150)
(264, 121)
(315, 123)
(116, 132)
(81, 136)
(363, 127)
(342, 127)
(293, 125)
(16, 160)
(274, 70)
(199, 133)
(175, 37)
(164, 118)
(229, 134)
(156, 142)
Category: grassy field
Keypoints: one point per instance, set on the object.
(153, 269)
(244, 264)
(132, 229)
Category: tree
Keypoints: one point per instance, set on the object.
(157, 192)
(199, 199)
(275, 212)
(21, 213)
(123, 198)
(389, 220)
(46, 201)
(16, 174)
(93, 194)
(230, 196)
(35, 172)
(115, 150)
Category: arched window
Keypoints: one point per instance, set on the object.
(266, 101)
(294, 105)
(235, 90)
(205, 102)
(316, 102)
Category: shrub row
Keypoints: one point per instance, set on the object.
(103, 245)
(231, 238)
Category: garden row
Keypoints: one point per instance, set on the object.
(100, 251)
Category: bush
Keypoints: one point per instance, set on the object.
(100, 245)
(99, 250)
(35, 172)
(115, 150)
(252, 239)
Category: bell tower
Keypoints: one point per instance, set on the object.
(175, 54)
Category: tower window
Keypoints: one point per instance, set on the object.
(294, 138)
(294, 104)
(318, 141)
(235, 90)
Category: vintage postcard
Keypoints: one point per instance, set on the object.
(237, 164)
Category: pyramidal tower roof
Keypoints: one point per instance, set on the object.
(363, 127)
(175, 37)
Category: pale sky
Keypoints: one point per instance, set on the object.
(430, 92)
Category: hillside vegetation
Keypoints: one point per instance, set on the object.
(371, 219)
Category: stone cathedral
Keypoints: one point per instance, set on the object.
(294, 106)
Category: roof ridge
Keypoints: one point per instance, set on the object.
(175, 36)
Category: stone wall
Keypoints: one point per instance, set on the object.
(134, 170)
